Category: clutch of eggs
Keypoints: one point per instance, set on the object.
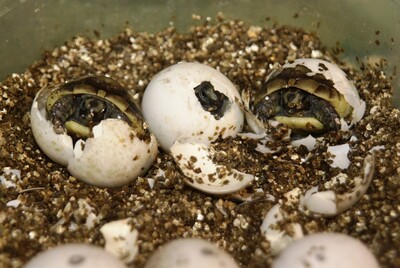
(191, 102)
(93, 127)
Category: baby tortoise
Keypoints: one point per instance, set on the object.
(308, 95)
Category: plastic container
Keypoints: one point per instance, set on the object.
(366, 29)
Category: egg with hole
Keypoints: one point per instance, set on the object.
(191, 102)
(75, 255)
(307, 95)
(93, 127)
(190, 253)
(326, 250)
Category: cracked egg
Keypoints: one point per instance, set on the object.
(308, 95)
(93, 127)
(191, 102)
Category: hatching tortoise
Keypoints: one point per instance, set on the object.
(308, 95)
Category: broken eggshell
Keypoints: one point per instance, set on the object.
(339, 155)
(92, 126)
(329, 203)
(191, 102)
(272, 230)
(309, 95)
(279, 225)
(196, 163)
(121, 239)
(309, 142)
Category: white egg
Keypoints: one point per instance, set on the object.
(190, 253)
(92, 126)
(73, 256)
(191, 102)
(326, 250)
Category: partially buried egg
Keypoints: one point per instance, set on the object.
(326, 250)
(190, 253)
(75, 255)
(93, 127)
(308, 95)
(191, 102)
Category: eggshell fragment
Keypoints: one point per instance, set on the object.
(190, 253)
(251, 119)
(10, 177)
(13, 203)
(310, 142)
(121, 239)
(174, 112)
(326, 250)
(263, 148)
(330, 203)
(73, 256)
(339, 155)
(195, 162)
(277, 237)
(84, 208)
